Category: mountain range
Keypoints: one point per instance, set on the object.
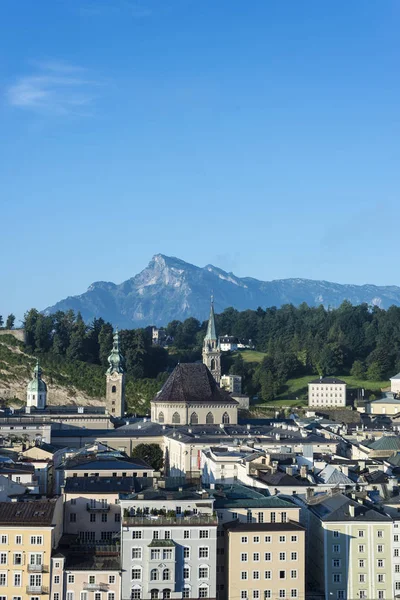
(170, 288)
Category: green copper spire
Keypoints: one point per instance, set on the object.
(116, 360)
(211, 333)
(37, 384)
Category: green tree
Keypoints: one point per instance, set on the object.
(358, 369)
(10, 321)
(375, 372)
(151, 454)
(105, 343)
(1, 321)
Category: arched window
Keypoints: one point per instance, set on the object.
(165, 575)
(203, 572)
(176, 418)
(136, 592)
(225, 418)
(166, 594)
(203, 591)
(154, 575)
(194, 419)
(213, 364)
(153, 594)
(210, 418)
(114, 389)
(161, 417)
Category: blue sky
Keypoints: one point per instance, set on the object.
(260, 136)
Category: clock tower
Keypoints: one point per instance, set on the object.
(115, 391)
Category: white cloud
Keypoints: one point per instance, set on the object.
(54, 88)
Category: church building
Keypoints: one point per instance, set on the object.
(191, 395)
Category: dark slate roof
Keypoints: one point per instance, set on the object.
(102, 485)
(280, 478)
(192, 382)
(327, 380)
(386, 442)
(337, 509)
(25, 514)
(16, 468)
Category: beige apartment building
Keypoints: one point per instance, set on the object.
(29, 531)
(86, 572)
(327, 392)
(261, 546)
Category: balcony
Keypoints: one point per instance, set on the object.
(156, 521)
(95, 587)
(36, 589)
(38, 568)
(99, 509)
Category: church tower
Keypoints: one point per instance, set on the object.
(211, 347)
(115, 392)
(37, 390)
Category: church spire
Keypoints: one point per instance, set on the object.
(211, 332)
(211, 347)
(116, 360)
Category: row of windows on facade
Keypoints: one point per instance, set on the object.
(336, 548)
(18, 558)
(259, 517)
(330, 395)
(137, 534)
(362, 533)
(84, 596)
(244, 594)
(363, 564)
(167, 575)
(203, 592)
(35, 581)
(92, 518)
(91, 579)
(158, 554)
(244, 575)
(362, 578)
(35, 540)
(194, 418)
(244, 557)
(268, 539)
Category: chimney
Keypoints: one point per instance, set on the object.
(274, 466)
(212, 486)
(289, 470)
(303, 471)
(309, 493)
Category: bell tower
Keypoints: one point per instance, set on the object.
(37, 390)
(211, 347)
(115, 391)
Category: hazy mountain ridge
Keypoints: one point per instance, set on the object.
(169, 288)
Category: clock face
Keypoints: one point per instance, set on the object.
(114, 376)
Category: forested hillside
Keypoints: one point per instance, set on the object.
(357, 340)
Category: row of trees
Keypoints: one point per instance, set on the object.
(10, 321)
(302, 340)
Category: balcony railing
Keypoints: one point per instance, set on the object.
(98, 508)
(38, 568)
(36, 589)
(150, 520)
(95, 587)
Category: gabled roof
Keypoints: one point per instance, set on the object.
(337, 508)
(192, 382)
(332, 476)
(241, 496)
(25, 514)
(395, 376)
